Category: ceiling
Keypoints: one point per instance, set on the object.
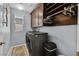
(26, 6)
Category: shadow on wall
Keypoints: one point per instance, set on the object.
(64, 37)
(61, 45)
(54, 37)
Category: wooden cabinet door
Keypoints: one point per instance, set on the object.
(32, 19)
(40, 21)
(37, 16)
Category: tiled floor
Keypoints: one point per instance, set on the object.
(20, 50)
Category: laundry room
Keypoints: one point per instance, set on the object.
(38, 29)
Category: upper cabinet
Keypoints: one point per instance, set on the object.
(40, 15)
(54, 14)
(37, 16)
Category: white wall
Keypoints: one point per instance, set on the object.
(64, 37)
(6, 37)
(19, 37)
(16, 37)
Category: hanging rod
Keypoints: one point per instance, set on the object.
(51, 6)
(47, 4)
(55, 13)
(56, 8)
(58, 12)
